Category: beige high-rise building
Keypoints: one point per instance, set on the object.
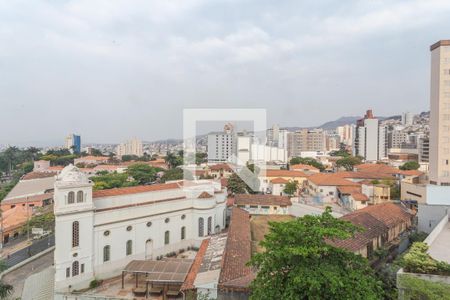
(305, 140)
(440, 113)
(131, 147)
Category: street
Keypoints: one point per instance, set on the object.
(36, 247)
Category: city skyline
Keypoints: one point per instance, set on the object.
(298, 61)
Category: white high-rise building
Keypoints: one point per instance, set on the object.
(370, 138)
(222, 145)
(407, 118)
(440, 113)
(346, 134)
(131, 147)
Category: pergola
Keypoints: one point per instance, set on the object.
(165, 272)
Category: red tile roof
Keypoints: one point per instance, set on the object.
(372, 228)
(235, 274)
(205, 195)
(36, 175)
(364, 175)
(303, 167)
(279, 180)
(411, 172)
(284, 173)
(135, 189)
(389, 213)
(219, 167)
(190, 278)
(325, 179)
(261, 199)
(359, 197)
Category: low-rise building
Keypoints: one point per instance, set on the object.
(257, 204)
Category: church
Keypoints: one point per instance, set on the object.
(99, 232)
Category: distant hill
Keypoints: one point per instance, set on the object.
(339, 122)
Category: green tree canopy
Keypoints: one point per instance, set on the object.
(174, 160)
(299, 263)
(291, 188)
(341, 153)
(5, 289)
(410, 165)
(142, 173)
(175, 174)
(349, 162)
(307, 161)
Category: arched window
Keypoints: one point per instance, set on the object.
(183, 232)
(209, 225)
(106, 253)
(71, 198)
(75, 234)
(75, 268)
(166, 238)
(129, 247)
(201, 227)
(79, 196)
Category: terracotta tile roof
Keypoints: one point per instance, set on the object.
(389, 213)
(15, 217)
(325, 179)
(55, 168)
(190, 278)
(262, 199)
(303, 167)
(372, 228)
(349, 189)
(108, 167)
(135, 189)
(33, 198)
(279, 180)
(35, 175)
(377, 169)
(284, 173)
(230, 201)
(219, 167)
(364, 175)
(205, 195)
(235, 274)
(224, 182)
(411, 172)
(359, 197)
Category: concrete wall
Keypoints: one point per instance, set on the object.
(430, 215)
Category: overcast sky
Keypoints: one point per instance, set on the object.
(111, 70)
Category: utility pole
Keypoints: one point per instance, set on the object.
(28, 219)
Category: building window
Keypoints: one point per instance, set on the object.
(75, 268)
(106, 233)
(82, 269)
(166, 238)
(167, 220)
(209, 225)
(75, 234)
(201, 227)
(106, 253)
(67, 272)
(71, 198)
(183, 217)
(129, 228)
(79, 196)
(129, 247)
(183, 233)
(149, 224)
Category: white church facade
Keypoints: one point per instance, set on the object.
(99, 232)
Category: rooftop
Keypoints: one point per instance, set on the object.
(284, 173)
(135, 189)
(389, 213)
(261, 199)
(259, 225)
(324, 179)
(439, 245)
(31, 187)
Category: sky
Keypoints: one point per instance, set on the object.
(112, 70)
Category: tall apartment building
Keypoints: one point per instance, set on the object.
(306, 140)
(222, 145)
(424, 149)
(332, 141)
(398, 139)
(440, 113)
(346, 134)
(407, 119)
(370, 138)
(73, 143)
(277, 137)
(131, 147)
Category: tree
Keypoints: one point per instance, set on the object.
(128, 157)
(5, 289)
(176, 174)
(410, 165)
(341, 153)
(142, 173)
(291, 188)
(348, 163)
(236, 185)
(299, 262)
(307, 161)
(173, 160)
